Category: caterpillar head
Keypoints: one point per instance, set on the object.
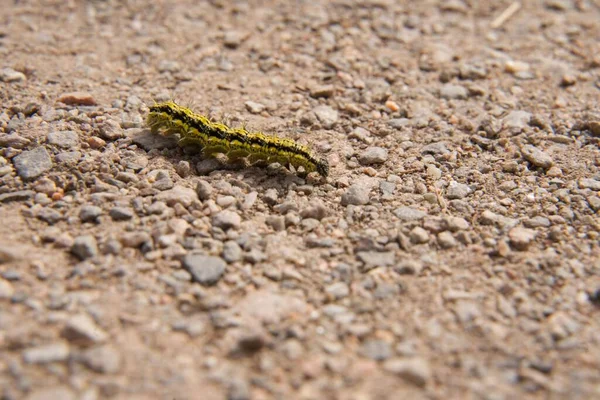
(323, 167)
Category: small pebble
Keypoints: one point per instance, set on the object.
(232, 252)
(95, 142)
(206, 270)
(77, 98)
(81, 329)
(373, 155)
(446, 240)
(536, 156)
(63, 139)
(9, 75)
(457, 190)
(325, 91)
(419, 235)
(121, 213)
(105, 359)
(451, 91)
(412, 370)
(89, 213)
(227, 220)
(33, 163)
(521, 238)
(85, 247)
(392, 106)
(111, 130)
(356, 194)
(516, 120)
(277, 222)
(326, 115)
(48, 353)
(254, 107)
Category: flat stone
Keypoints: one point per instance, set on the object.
(408, 214)
(203, 189)
(49, 215)
(179, 194)
(435, 148)
(254, 107)
(14, 141)
(536, 156)
(206, 270)
(9, 75)
(317, 211)
(232, 251)
(457, 190)
(277, 222)
(587, 183)
(338, 290)
(521, 238)
(53, 352)
(164, 183)
(135, 239)
(85, 247)
(409, 267)
(233, 38)
(68, 157)
(89, 213)
(19, 195)
(516, 120)
(373, 155)
(325, 91)
(375, 259)
(81, 329)
(376, 349)
(457, 223)
(419, 235)
(412, 370)
(77, 98)
(33, 163)
(111, 130)
(398, 123)
(104, 359)
(537, 222)
(148, 141)
(450, 91)
(121, 213)
(63, 139)
(357, 195)
(326, 115)
(227, 220)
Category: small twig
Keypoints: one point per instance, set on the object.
(506, 14)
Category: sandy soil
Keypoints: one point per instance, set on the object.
(452, 253)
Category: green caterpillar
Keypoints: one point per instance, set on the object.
(236, 143)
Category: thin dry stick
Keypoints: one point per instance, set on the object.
(506, 14)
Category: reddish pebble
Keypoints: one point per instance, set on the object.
(77, 98)
(95, 142)
(58, 195)
(392, 105)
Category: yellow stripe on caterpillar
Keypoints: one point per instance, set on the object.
(236, 143)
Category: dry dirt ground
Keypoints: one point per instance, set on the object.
(452, 253)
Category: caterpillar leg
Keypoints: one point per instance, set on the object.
(186, 141)
(258, 158)
(211, 150)
(235, 155)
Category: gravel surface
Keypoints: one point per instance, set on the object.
(452, 253)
